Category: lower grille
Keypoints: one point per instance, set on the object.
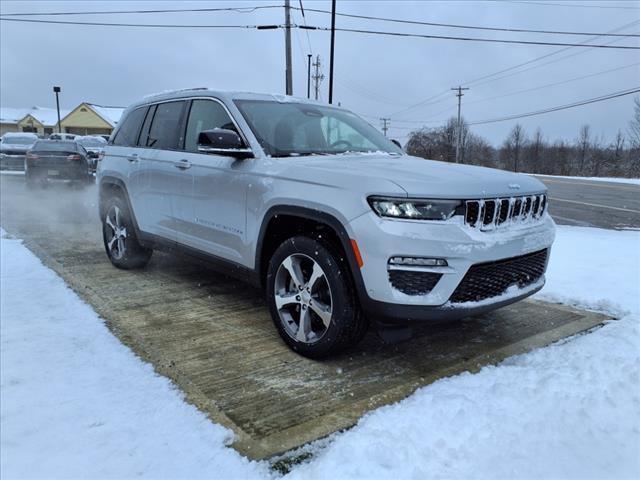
(413, 283)
(487, 280)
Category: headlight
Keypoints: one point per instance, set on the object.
(417, 209)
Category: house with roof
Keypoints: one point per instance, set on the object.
(85, 119)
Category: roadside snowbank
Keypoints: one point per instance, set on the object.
(76, 403)
(632, 181)
(571, 410)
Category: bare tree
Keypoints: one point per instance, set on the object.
(583, 144)
(513, 146)
(634, 125)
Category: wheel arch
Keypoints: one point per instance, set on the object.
(110, 186)
(285, 221)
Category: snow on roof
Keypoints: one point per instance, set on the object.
(13, 115)
(46, 116)
(110, 114)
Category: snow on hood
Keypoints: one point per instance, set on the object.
(426, 178)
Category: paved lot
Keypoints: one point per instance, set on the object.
(593, 203)
(213, 336)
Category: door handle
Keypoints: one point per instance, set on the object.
(183, 164)
(133, 157)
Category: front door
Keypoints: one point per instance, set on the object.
(218, 195)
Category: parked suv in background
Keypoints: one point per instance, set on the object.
(334, 221)
(13, 148)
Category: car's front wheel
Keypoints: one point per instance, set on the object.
(311, 298)
(119, 236)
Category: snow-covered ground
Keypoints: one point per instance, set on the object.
(632, 181)
(74, 402)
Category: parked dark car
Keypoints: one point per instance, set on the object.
(13, 148)
(57, 160)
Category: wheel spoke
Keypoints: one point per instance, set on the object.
(285, 299)
(316, 275)
(304, 326)
(120, 245)
(117, 210)
(111, 242)
(123, 232)
(110, 223)
(293, 267)
(323, 311)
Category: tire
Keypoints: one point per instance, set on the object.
(119, 236)
(326, 303)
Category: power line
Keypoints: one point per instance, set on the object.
(351, 30)
(573, 5)
(469, 27)
(149, 25)
(488, 77)
(561, 107)
(475, 39)
(175, 10)
(554, 84)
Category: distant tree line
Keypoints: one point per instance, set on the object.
(587, 155)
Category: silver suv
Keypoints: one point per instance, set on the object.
(338, 225)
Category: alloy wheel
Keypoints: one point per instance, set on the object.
(303, 298)
(116, 238)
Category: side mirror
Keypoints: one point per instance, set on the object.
(220, 141)
(396, 142)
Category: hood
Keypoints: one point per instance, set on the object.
(427, 178)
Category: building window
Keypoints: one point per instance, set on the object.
(48, 130)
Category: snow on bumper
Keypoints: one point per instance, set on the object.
(461, 246)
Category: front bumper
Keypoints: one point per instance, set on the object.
(461, 246)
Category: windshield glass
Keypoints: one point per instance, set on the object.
(291, 129)
(18, 140)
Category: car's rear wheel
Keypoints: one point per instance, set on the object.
(311, 298)
(119, 236)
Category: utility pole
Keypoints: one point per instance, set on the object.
(317, 77)
(333, 41)
(56, 90)
(385, 125)
(309, 75)
(459, 136)
(287, 47)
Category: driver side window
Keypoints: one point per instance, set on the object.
(336, 132)
(205, 115)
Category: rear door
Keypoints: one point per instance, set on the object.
(161, 182)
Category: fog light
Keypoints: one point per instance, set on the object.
(418, 261)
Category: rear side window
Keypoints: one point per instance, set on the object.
(165, 126)
(127, 135)
(144, 134)
(205, 115)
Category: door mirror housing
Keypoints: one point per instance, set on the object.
(397, 143)
(221, 141)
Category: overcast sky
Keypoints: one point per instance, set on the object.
(376, 76)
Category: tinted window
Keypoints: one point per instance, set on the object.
(128, 133)
(165, 126)
(55, 146)
(205, 115)
(144, 134)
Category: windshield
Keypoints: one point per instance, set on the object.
(18, 140)
(292, 129)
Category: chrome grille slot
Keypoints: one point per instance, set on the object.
(493, 213)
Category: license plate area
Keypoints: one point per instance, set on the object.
(53, 172)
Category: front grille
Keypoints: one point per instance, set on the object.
(489, 214)
(413, 283)
(486, 280)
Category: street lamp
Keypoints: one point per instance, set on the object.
(56, 90)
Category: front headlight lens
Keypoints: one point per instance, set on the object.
(415, 209)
